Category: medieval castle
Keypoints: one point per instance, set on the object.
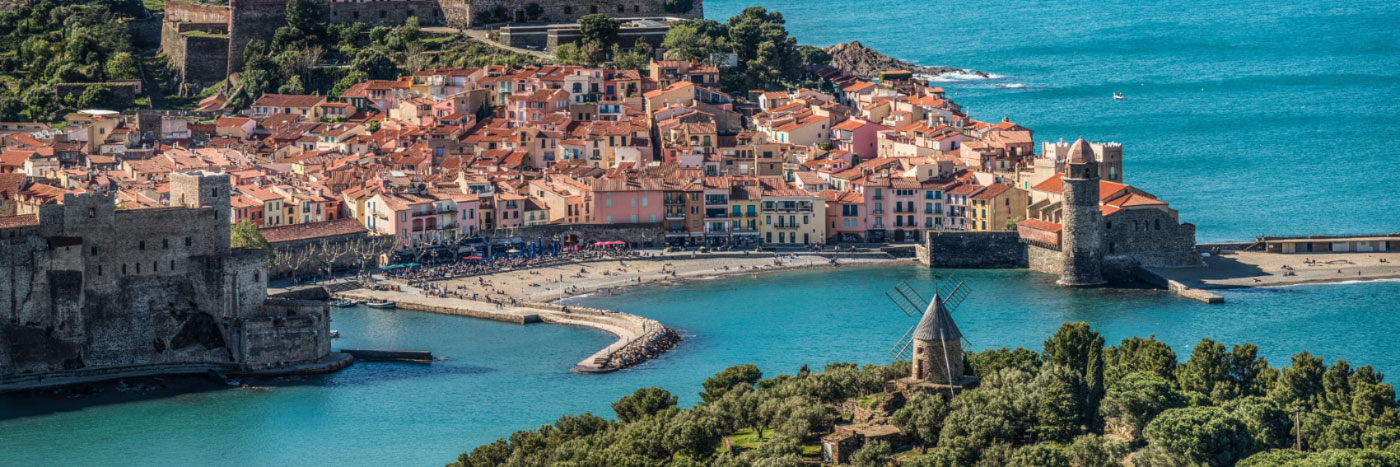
(92, 292)
(205, 42)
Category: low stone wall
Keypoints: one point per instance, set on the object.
(123, 93)
(1046, 260)
(975, 250)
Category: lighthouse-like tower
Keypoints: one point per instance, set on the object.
(1081, 237)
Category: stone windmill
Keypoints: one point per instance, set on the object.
(935, 342)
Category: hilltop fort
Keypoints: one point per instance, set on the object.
(205, 42)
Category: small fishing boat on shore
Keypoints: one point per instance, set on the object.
(341, 303)
(385, 305)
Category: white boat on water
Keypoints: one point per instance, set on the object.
(335, 334)
(1118, 96)
(389, 305)
(342, 303)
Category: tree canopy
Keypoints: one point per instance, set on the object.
(1029, 410)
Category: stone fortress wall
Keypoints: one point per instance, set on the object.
(90, 290)
(202, 52)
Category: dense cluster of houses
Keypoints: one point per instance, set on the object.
(442, 154)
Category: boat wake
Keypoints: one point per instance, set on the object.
(1011, 85)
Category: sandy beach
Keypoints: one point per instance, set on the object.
(550, 283)
(1256, 269)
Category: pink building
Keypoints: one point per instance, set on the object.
(622, 201)
(844, 222)
(892, 209)
(411, 219)
(509, 210)
(857, 136)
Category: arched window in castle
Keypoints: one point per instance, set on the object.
(621, 9)
(165, 244)
(382, 13)
(172, 265)
(141, 245)
(155, 266)
(123, 268)
(355, 15)
(1110, 248)
(188, 242)
(636, 9)
(1156, 224)
(92, 212)
(568, 10)
(593, 9)
(94, 251)
(1108, 225)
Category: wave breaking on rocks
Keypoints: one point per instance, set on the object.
(866, 62)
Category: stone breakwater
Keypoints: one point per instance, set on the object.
(638, 338)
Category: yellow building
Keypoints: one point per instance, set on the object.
(989, 208)
(792, 217)
(743, 214)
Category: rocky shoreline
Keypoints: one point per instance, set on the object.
(866, 62)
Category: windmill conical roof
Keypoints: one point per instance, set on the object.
(936, 319)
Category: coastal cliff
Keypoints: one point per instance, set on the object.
(863, 61)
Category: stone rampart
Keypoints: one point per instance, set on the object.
(252, 20)
(947, 249)
(484, 12)
(287, 332)
(197, 52)
(390, 13)
(182, 11)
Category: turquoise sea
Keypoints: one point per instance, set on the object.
(497, 378)
(1248, 117)
(1273, 117)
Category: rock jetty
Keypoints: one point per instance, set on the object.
(865, 62)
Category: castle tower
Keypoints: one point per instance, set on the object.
(205, 189)
(937, 346)
(1081, 236)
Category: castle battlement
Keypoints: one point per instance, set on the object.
(96, 290)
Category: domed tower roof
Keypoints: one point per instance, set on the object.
(936, 319)
(1080, 152)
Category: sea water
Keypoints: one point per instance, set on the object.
(1249, 117)
(492, 378)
